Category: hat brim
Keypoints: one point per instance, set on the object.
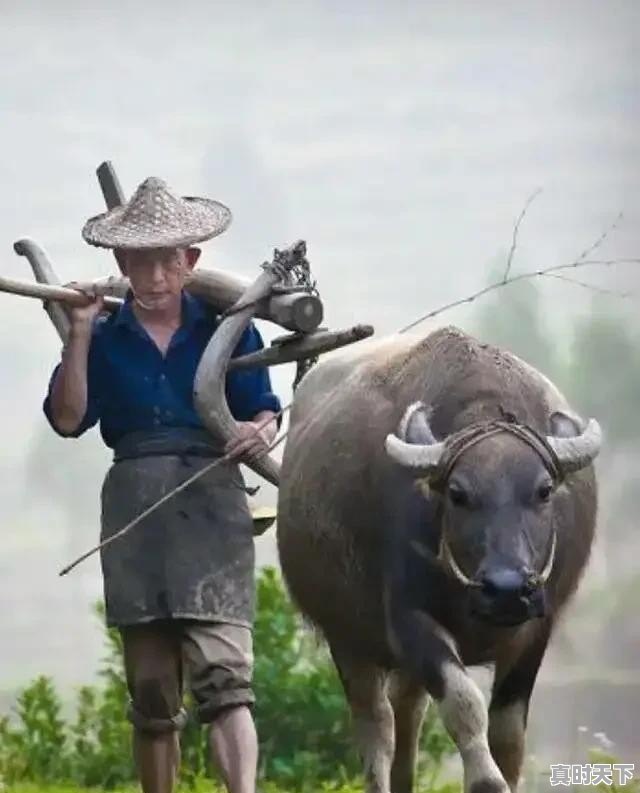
(200, 219)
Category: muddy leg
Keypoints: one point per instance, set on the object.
(154, 678)
(509, 708)
(365, 688)
(409, 701)
(429, 654)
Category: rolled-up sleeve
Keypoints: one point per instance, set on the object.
(92, 413)
(249, 391)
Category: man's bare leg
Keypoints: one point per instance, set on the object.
(157, 759)
(154, 678)
(234, 748)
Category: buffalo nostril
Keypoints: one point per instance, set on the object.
(505, 582)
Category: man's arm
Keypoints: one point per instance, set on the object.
(68, 407)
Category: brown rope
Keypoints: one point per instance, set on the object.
(457, 444)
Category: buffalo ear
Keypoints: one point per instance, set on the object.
(562, 425)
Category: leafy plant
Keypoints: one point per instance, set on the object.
(301, 715)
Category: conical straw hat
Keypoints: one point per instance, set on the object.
(156, 218)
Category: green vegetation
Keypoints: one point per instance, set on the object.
(301, 716)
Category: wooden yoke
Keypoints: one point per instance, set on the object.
(43, 269)
(283, 294)
(111, 190)
(294, 308)
(298, 311)
(45, 274)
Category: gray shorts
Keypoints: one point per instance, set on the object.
(216, 659)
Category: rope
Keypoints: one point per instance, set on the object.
(456, 445)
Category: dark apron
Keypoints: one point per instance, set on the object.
(193, 557)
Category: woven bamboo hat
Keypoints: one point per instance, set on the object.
(156, 218)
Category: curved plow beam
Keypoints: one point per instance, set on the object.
(45, 274)
(210, 380)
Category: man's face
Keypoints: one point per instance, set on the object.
(157, 275)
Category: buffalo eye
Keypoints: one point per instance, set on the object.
(544, 491)
(458, 495)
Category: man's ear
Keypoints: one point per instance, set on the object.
(193, 254)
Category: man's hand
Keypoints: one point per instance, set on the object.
(251, 441)
(82, 317)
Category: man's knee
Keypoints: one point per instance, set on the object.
(154, 678)
(155, 706)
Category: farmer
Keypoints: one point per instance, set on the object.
(180, 586)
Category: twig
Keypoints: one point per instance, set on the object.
(595, 263)
(601, 238)
(218, 461)
(514, 279)
(581, 261)
(591, 287)
(516, 228)
(610, 261)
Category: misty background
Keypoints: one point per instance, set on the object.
(401, 141)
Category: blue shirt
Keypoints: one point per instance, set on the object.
(132, 386)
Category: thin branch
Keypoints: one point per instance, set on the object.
(609, 261)
(596, 262)
(601, 238)
(455, 304)
(516, 228)
(591, 287)
(514, 279)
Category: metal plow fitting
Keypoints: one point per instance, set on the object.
(209, 385)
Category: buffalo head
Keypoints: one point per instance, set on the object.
(496, 484)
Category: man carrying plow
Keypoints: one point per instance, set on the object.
(181, 587)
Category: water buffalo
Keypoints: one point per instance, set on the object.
(436, 509)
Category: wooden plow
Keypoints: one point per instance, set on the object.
(283, 293)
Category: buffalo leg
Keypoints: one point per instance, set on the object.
(464, 714)
(430, 655)
(409, 701)
(365, 688)
(509, 708)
